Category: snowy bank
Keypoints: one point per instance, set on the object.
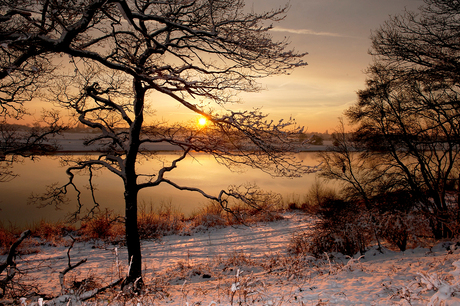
(251, 266)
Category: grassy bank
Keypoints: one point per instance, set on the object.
(153, 223)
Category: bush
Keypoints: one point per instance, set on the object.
(398, 220)
(155, 223)
(103, 226)
(342, 227)
(52, 231)
(316, 196)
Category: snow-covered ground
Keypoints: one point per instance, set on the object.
(250, 265)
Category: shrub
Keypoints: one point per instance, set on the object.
(103, 226)
(398, 221)
(211, 215)
(342, 227)
(52, 231)
(316, 196)
(155, 223)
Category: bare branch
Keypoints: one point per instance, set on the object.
(9, 263)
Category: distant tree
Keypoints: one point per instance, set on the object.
(199, 53)
(316, 140)
(408, 116)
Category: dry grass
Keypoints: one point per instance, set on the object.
(52, 232)
(104, 226)
(211, 215)
(8, 235)
(239, 279)
(153, 223)
(165, 220)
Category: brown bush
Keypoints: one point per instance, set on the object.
(52, 231)
(166, 220)
(8, 236)
(105, 226)
(342, 227)
(316, 196)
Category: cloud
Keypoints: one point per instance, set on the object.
(306, 32)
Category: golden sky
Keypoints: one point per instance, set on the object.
(336, 34)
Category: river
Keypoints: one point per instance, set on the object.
(201, 171)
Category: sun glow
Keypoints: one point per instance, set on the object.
(202, 121)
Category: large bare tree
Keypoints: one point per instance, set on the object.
(23, 73)
(121, 57)
(407, 117)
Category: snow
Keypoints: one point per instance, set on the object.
(251, 266)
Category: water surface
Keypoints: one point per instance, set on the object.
(201, 171)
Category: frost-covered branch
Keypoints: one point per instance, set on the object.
(9, 264)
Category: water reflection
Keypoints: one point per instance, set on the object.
(201, 171)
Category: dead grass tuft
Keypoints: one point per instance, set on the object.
(53, 233)
(104, 226)
(211, 215)
(8, 236)
(299, 244)
(165, 220)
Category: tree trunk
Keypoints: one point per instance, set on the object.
(132, 238)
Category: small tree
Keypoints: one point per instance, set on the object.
(195, 52)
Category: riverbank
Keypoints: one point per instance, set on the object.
(73, 142)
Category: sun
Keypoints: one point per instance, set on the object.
(202, 121)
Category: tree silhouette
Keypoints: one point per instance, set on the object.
(107, 57)
(407, 118)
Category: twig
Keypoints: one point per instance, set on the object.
(89, 294)
(69, 267)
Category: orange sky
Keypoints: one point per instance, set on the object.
(336, 34)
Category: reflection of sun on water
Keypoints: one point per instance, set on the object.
(202, 121)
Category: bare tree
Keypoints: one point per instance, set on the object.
(422, 43)
(23, 73)
(413, 126)
(408, 116)
(199, 53)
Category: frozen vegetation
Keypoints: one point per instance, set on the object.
(241, 265)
